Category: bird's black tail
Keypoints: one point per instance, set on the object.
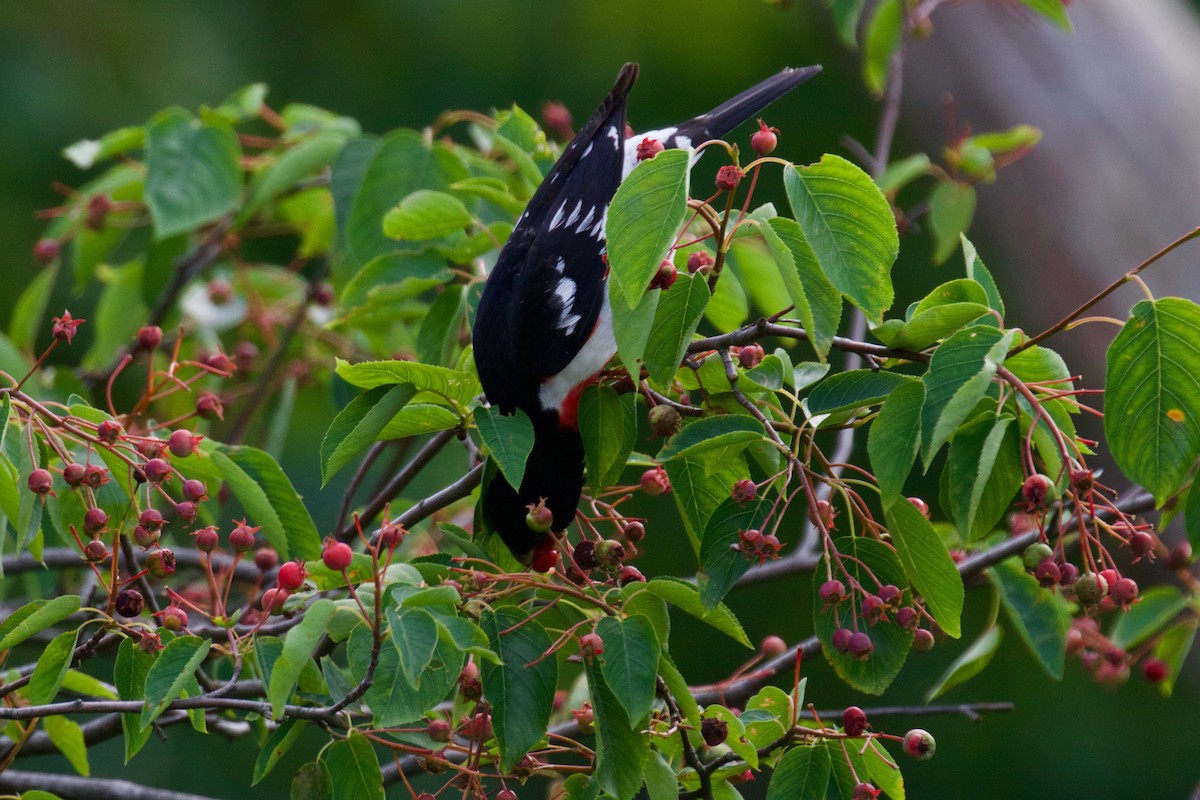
(733, 112)
(554, 471)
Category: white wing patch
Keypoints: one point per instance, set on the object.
(586, 220)
(612, 134)
(571, 220)
(564, 290)
(557, 219)
(598, 228)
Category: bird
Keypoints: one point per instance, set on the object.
(543, 326)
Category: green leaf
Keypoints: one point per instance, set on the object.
(849, 225)
(392, 699)
(1173, 649)
(1040, 617)
(417, 418)
(661, 783)
(645, 217)
(1053, 10)
(960, 374)
(439, 332)
(298, 649)
(129, 675)
(426, 214)
(951, 209)
(699, 484)
(802, 774)
(312, 782)
(903, 172)
(972, 662)
(494, 190)
(846, 14)
(630, 663)
(675, 320)
(401, 165)
(817, 301)
(928, 564)
(608, 426)
(358, 425)
(35, 617)
(267, 495)
(305, 158)
(721, 565)
(398, 276)
(508, 439)
(415, 636)
(29, 312)
(30, 507)
(353, 769)
(728, 307)
(450, 385)
(947, 309)
(192, 171)
(169, 675)
(620, 751)
(1152, 395)
(51, 668)
(882, 38)
(760, 275)
(686, 597)
(979, 273)
(984, 470)
(854, 389)
(86, 153)
(118, 315)
(894, 439)
(278, 743)
(522, 690)
(1156, 607)
(67, 736)
(891, 642)
(632, 326)
(679, 689)
(712, 433)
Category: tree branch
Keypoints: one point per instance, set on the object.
(73, 787)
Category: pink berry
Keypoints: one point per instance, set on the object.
(156, 470)
(207, 539)
(95, 551)
(46, 250)
(919, 744)
(922, 640)
(655, 482)
(291, 576)
(1036, 493)
(634, 532)
(1154, 670)
(590, 644)
(751, 356)
(151, 519)
(209, 406)
(186, 511)
(337, 555)
(94, 519)
(841, 639)
(108, 431)
(195, 490)
(438, 730)
(630, 574)
(699, 261)
(182, 443)
(266, 559)
(648, 148)
(160, 563)
(861, 646)
(728, 177)
(73, 474)
(854, 721)
(149, 338)
(174, 618)
(273, 599)
(920, 505)
(241, 538)
(40, 481)
(540, 519)
(665, 277)
(772, 646)
(1124, 591)
(145, 537)
(764, 140)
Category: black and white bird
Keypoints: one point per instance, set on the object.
(543, 329)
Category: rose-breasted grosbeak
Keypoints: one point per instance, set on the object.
(543, 329)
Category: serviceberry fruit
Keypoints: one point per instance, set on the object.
(265, 559)
(772, 646)
(861, 646)
(629, 575)
(1035, 554)
(841, 639)
(130, 603)
(655, 482)
(209, 406)
(665, 277)
(186, 511)
(1154, 670)
(648, 148)
(337, 555)
(1037, 492)
(149, 338)
(920, 505)
(1124, 591)
(714, 731)
(195, 490)
(764, 140)
(590, 644)
(664, 421)
(585, 555)
(291, 576)
(207, 539)
(728, 177)
(174, 618)
(95, 551)
(1090, 588)
(540, 518)
(182, 443)
(854, 721)
(744, 491)
(922, 640)
(438, 730)
(241, 538)
(160, 563)
(273, 599)
(1047, 573)
(700, 261)
(108, 431)
(73, 474)
(156, 470)
(751, 356)
(545, 555)
(1180, 556)
(40, 481)
(46, 250)
(919, 744)
(634, 532)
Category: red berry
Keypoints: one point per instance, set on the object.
(145, 537)
(665, 277)
(540, 519)
(183, 443)
(714, 731)
(608, 554)
(854, 721)
(1048, 573)
(655, 482)
(919, 744)
(557, 118)
(468, 682)
(764, 140)
(273, 599)
(728, 177)
(822, 514)
(699, 261)
(634, 532)
(590, 644)
(241, 538)
(772, 646)
(864, 791)
(1124, 591)
(337, 555)
(438, 730)
(545, 555)
(266, 559)
(130, 603)
(1068, 573)
(95, 551)
(46, 250)
(751, 356)
(174, 618)
(97, 212)
(1035, 554)
(195, 490)
(40, 481)
(186, 511)
(841, 640)
(629, 575)
(149, 338)
(832, 592)
(64, 327)
(1141, 544)
(920, 505)
(744, 490)
(907, 618)
(95, 476)
(94, 519)
(108, 431)
(1180, 556)
(506, 794)
(151, 519)
(291, 576)
(156, 470)
(73, 474)
(585, 555)
(391, 534)
(209, 406)
(1036, 493)
(922, 640)
(889, 594)
(1154, 670)
(207, 539)
(160, 563)
(873, 608)
(584, 716)
(861, 646)
(649, 148)
(323, 295)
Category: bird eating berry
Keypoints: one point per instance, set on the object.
(543, 330)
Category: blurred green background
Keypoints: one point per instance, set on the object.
(72, 69)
